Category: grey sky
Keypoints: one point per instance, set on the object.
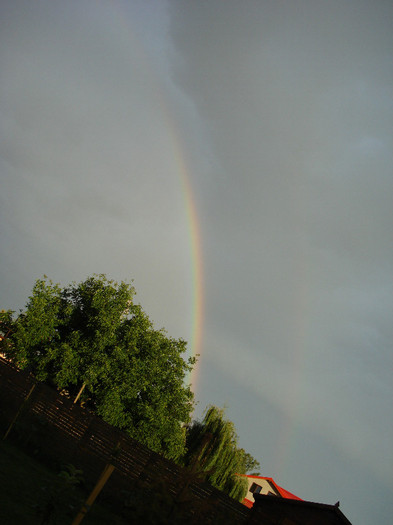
(284, 112)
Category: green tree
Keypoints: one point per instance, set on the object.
(213, 442)
(6, 329)
(93, 335)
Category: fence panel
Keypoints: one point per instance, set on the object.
(71, 434)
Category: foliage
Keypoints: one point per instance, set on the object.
(213, 443)
(93, 334)
(71, 475)
(6, 329)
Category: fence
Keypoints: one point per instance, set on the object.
(69, 433)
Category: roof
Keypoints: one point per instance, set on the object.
(283, 493)
(301, 511)
(248, 503)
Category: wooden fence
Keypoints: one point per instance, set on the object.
(69, 433)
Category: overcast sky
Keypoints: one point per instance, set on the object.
(279, 117)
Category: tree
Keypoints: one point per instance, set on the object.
(93, 335)
(213, 442)
(6, 328)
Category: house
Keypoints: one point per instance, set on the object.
(266, 486)
(270, 510)
(270, 504)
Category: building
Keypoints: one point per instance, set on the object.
(270, 504)
(270, 510)
(265, 486)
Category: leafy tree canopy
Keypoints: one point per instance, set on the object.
(92, 334)
(213, 443)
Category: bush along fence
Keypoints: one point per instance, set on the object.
(60, 432)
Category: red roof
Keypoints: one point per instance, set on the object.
(282, 492)
(248, 503)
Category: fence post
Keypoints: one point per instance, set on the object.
(79, 393)
(105, 475)
(109, 468)
(20, 409)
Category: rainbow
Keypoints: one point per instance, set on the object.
(195, 248)
(120, 17)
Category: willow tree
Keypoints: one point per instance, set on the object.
(213, 443)
(93, 336)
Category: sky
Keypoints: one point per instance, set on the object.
(235, 160)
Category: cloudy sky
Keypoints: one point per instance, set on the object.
(245, 144)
